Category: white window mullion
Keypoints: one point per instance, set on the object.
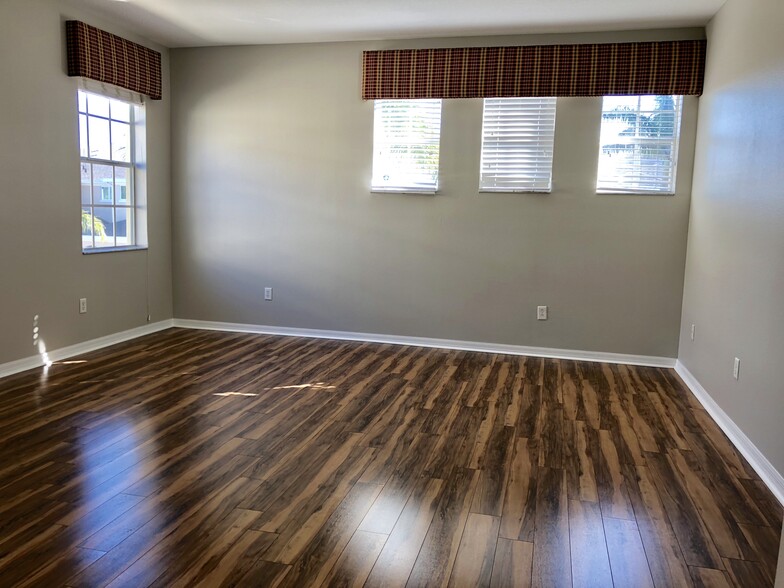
(517, 144)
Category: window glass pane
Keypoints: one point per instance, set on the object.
(120, 110)
(103, 184)
(517, 144)
(639, 144)
(121, 187)
(106, 189)
(99, 138)
(122, 226)
(86, 184)
(87, 226)
(406, 141)
(83, 150)
(121, 141)
(103, 221)
(98, 105)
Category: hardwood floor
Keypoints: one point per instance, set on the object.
(198, 458)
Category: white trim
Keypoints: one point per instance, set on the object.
(769, 475)
(428, 342)
(36, 361)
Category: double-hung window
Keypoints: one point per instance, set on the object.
(406, 144)
(639, 144)
(517, 145)
(108, 161)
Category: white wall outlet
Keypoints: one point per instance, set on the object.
(693, 328)
(736, 368)
(82, 305)
(541, 313)
(267, 293)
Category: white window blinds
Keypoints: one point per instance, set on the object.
(406, 138)
(517, 145)
(639, 144)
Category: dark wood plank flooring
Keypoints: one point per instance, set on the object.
(198, 458)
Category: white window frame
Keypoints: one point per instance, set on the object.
(605, 186)
(518, 137)
(135, 194)
(382, 142)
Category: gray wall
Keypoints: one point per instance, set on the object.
(272, 162)
(42, 269)
(734, 289)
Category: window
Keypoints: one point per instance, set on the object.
(108, 169)
(639, 144)
(406, 138)
(517, 145)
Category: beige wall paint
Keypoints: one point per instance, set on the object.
(271, 172)
(734, 289)
(42, 269)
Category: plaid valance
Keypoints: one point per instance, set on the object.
(102, 56)
(667, 67)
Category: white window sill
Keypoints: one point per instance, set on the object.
(635, 193)
(114, 249)
(402, 191)
(509, 191)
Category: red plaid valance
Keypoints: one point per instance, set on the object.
(102, 56)
(671, 67)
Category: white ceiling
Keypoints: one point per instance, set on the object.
(188, 23)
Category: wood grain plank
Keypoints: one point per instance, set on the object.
(518, 514)
(665, 558)
(552, 559)
(356, 561)
(709, 578)
(513, 564)
(474, 561)
(748, 573)
(612, 491)
(439, 549)
(318, 555)
(627, 555)
(397, 559)
(695, 540)
(581, 457)
(590, 562)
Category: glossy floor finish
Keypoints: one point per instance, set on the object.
(197, 458)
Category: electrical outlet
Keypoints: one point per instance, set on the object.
(82, 305)
(693, 328)
(541, 313)
(267, 293)
(736, 368)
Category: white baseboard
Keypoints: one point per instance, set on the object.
(599, 356)
(767, 473)
(28, 363)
